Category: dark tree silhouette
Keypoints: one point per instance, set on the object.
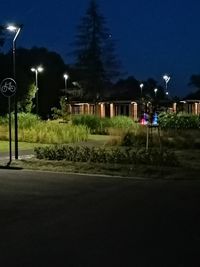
(125, 89)
(50, 82)
(95, 60)
(195, 83)
(2, 39)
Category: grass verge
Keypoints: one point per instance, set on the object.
(184, 172)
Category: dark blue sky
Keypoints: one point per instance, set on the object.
(153, 37)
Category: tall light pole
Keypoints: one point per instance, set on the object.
(166, 78)
(16, 30)
(66, 77)
(37, 70)
(155, 91)
(141, 87)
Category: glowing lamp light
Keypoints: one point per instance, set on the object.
(155, 119)
(166, 78)
(11, 28)
(66, 76)
(145, 119)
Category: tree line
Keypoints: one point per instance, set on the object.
(95, 74)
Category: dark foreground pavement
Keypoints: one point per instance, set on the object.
(49, 219)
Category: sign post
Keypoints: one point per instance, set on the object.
(8, 89)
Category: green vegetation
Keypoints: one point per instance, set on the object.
(104, 125)
(179, 121)
(32, 129)
(120, 152)
(105, 155)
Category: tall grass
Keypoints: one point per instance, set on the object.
(33, 130)
(103, 125)
(54, 133)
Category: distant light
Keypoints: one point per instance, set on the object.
(155, 90)
(40, 69)
(145, 119)
(167, 93)
(166, 78)
(141, 85)
(66, 76)
(12, 28)
(155, 119)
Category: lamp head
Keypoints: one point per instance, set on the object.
(66, 76)
(40, 69)
(166, 78)
(13, 27)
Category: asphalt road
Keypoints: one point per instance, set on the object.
(49, 219)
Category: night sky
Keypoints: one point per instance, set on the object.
(152, 37)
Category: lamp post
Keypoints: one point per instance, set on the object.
(155, 91)
(66, 77)
(37, 70)
(141, 87)
(16, 30)
(166, 78)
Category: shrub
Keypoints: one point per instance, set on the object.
(91, 121)
(103, 125)
(27, 120)
(134, 137)
(122, 122)
(178, 121)
(103, 155)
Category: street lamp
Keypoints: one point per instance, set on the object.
(66, 77)
(155, 91)
(37, 70)
(141, 87)
(166, 78)
(16, 30)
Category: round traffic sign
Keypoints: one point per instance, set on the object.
(8, 87)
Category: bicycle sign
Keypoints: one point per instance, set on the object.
(8, 87)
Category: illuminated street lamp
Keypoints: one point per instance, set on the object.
(166, 78)
(155, 91)
(16, 30)
(37, 70)
(141, 87)
(66, 77)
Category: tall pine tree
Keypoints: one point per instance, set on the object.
(95, 60)
(2, 39)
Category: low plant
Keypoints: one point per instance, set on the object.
(178, 121)
(103, 155)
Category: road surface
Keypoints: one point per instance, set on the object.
(51, 219)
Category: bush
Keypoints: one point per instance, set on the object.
(122, 122)
(178, 121)
(102, 155)
(27, 120)
(134, 138)
(91, 121)
(103, 125)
